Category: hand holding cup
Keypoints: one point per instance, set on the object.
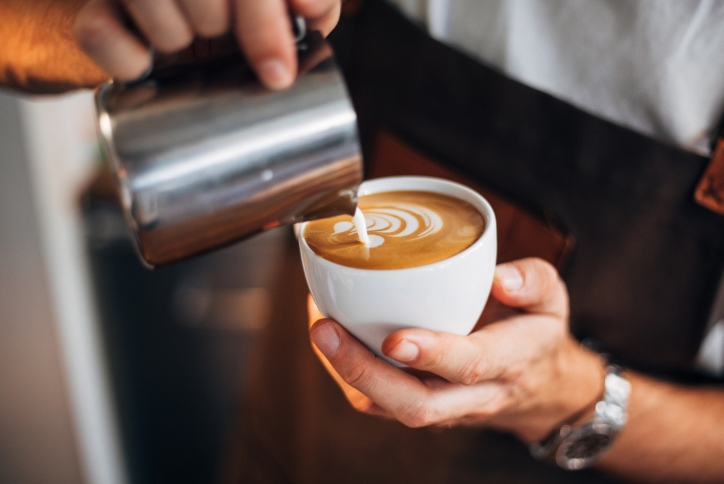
(520, 371)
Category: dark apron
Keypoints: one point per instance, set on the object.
(642, 275)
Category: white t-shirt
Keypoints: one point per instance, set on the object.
(655, 66)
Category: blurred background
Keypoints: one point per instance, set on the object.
(110, 372)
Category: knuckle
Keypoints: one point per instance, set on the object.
(495, 407)
(169, 45)
(210, 22)
(473, 371)
(89, 28)
(542, 277)
(436, 359)
(357, 375)
(545, 271)
(551, 288)
(515, 371)
(421, 416)
(550, 272)
(210, 27)
(492, 409)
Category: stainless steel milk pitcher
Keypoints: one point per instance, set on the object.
(205, 155)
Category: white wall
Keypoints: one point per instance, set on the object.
(57, 422)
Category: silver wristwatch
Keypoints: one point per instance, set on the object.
(579, 447)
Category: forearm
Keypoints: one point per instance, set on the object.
(37, 50)
(674, 434)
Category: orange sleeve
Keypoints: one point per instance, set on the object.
(37, 51)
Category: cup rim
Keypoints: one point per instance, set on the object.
(490, 226)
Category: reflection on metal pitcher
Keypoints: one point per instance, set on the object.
(206, 156)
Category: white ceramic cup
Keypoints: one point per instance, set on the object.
(446, 296)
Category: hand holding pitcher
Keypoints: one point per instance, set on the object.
(262, 29)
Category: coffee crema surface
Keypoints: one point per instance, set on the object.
(406, 229)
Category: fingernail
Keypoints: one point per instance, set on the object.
(404, 351)
(325, 337)
(275, 74)
(510, 277)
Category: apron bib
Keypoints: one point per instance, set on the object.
(612, 209)
(647, 258)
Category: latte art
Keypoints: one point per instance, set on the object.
(412, 221)
(405, 229)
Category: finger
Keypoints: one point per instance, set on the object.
(162, 23)
(265, 34)
(401, 395)
(321, 15)
(357, 399)
(389, 392)
(455, 358)
(461, 405)
(100, 32)
(532, 285)
(500, 351)
(210, 18)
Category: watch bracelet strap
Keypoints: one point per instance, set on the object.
(611, 408)
(615, 398)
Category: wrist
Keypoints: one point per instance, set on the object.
(580, 442)
(582, 373)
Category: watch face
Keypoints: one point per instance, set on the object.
(585, 444)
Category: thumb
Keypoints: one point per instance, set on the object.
(532, 285)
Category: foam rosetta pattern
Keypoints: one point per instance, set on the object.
(405, 229)
(406, 221)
